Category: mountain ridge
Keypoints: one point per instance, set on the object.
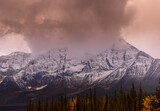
(54, 73)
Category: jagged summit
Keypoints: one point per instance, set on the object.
(119, 64)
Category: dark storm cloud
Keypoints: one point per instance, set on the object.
(47, 23)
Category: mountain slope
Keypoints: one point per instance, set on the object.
(56, 73)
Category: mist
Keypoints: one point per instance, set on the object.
(46, 24)
(143, 32)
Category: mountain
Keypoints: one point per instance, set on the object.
(55, 73)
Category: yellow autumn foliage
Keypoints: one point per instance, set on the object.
(150, 103)
(72, 103)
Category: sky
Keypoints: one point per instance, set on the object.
(143, 31)
(37, 25)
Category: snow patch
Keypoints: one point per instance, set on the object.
(29, 87)
(3, 70)
(76, 68)
(101, 75)
(39, 88)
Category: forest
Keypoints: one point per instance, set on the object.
(133, 100)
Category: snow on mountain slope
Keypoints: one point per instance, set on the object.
(14, 61)
(104, 69)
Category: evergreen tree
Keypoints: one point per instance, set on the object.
(158, 90)
(106, 103)
(115, 99)
(30, 106)
(39, 105)
(65, 103)
(83, 104)
(94, 100)
(62, 104)
(121, 99)
(108, 106)
(91, 104)
(140, 98)
(119, 102)
(115, 102)
(87, 103)
(51, 105)
(56, 108)
(78, 104)
(133, 97)
(128, 105)
(46, 107)
(133, 91)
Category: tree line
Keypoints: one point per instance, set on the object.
(131, 101)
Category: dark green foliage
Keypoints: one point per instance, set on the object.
(46, 106)
(30, 106)
(158, 90)
(158, 93)
(39, 106)
(51, 105)
(78, 104)
(120, 101)
(133, 98)
(115, 99)
(106, 103)
(140, 98)
(95, 100)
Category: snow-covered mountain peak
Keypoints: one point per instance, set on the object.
(59, 66)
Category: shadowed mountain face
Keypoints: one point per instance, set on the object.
(54, 73)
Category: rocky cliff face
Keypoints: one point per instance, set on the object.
(115, 65)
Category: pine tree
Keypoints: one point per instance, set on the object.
(51, 104)
(114, 102)
(140, 98)
(65, 103)
(39, 105)
(115, 99)
(158, 90)
(133, 97)
(91, 101)
(128, 105)
(133, 91)
(87, 103)
(55, 108)
(83, 104)
(94, 100)
(30, 106)
(46, 107)
(121, 99)
(108, 106)
(62, 104)
(106, 103)
(119, 102)
(78, 104)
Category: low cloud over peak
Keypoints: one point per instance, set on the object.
(53, 23)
